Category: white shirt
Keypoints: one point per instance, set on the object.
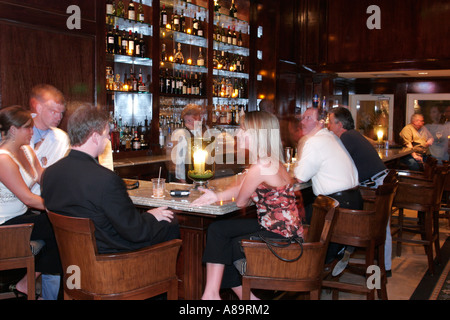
(10, 205)
(55, 146)
(325, 161)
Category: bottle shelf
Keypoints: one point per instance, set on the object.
(189, 9)
(230, 74)
(240, 25)
(133, 25)
(182, 67)
(222, 46)
(126, 92)
(183, 37)
(119, 58)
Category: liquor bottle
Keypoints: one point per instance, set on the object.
(168, 87)
(140, 11)
(162, 82)
(200, 59)
(120, 9)
(163, 54)
(217, 34)
(185, 84)
(124, 43)
(163, 16)
(200, 28)
(131, 11)
(110, 41)
(239, 41)
(136, 142)
(110, 7)
(117, 41)
(223, 35)
(137, 45)
(233, 10)
(144, 144)
(195, 25)
(176, 22)
(142, 47)
(182, 22)
(130, 48)
(141, 85)
(234, 37)
(229, 36)
(174, 83)
(178, 58)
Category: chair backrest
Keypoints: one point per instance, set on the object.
(262, 263)
(322, 208)
(17, 238)
(136, 274)
(360, 227)
(418, 193)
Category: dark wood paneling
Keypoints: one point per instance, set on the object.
(37, 47)
(411, 31)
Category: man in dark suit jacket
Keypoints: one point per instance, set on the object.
(79, 186)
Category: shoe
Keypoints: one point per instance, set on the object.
(388, 273)
(342, 264)
(36, 246)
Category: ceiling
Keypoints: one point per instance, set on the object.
(396, 74)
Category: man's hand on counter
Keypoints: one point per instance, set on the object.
(161, 213)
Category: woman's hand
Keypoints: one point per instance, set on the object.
(208, 197)
(161, 213)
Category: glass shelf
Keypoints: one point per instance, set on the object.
(183, 67)
(127, 92)
(189, 9)
(183, 37)
(133, 25)
(118, 58)
(226, 100)
(229, 74)
(240, 25)
(221, 46)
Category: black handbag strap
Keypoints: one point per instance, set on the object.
(282, 243)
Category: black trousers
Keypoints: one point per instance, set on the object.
(47, 261)
(223, 245)
(348, 199)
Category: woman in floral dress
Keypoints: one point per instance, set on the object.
(268, 184)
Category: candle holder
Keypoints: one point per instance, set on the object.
(202, 166)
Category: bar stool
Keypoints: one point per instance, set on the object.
(364, 229)
(422, 195)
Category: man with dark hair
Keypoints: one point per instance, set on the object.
(371, 169)
(79, 186)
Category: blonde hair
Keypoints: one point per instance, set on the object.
(191, 109)
(264, 128)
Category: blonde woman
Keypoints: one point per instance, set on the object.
(269, 185)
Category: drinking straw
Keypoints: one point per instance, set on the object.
(159, 177)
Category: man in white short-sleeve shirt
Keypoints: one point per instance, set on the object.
(324, 160)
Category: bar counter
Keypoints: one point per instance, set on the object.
(194, 222)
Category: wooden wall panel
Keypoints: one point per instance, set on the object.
(410, 31)
(38, 47)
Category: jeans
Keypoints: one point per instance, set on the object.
(50, 286)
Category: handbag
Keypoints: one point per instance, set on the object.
(281, 243)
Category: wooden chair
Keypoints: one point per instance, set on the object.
(139, 274)
(15, 252)
(364, 229)
(444, 212)
(422, 195)
(265, 271)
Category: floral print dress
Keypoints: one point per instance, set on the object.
(278, 211)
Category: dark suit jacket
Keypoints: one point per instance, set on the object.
(79, 186)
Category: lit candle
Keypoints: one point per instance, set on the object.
(380, 135)
(199, 161)
(188, 31)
